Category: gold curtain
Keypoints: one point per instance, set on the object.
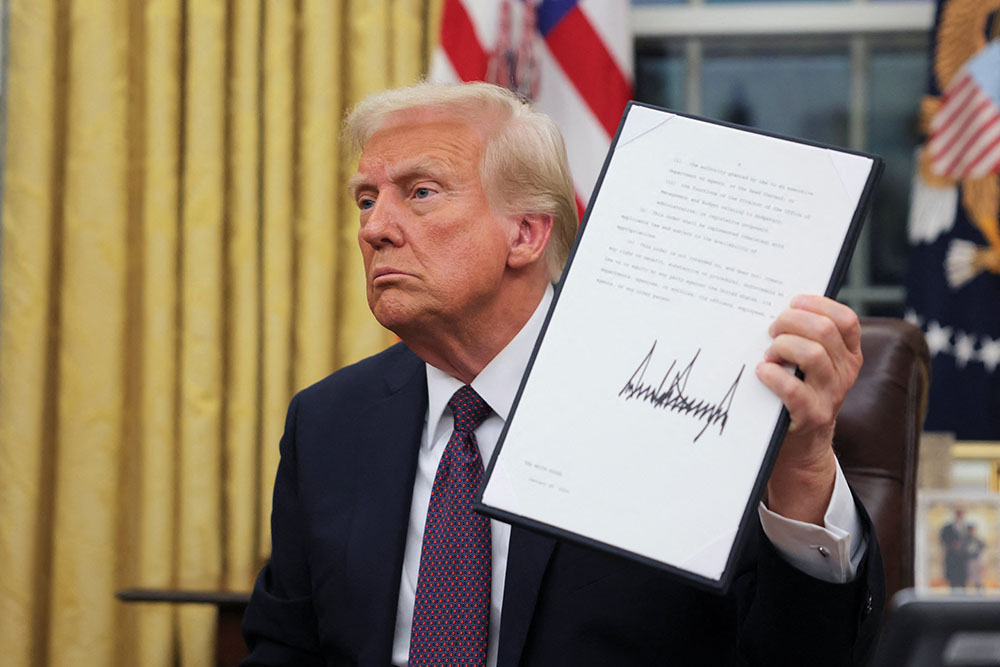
(177, 257)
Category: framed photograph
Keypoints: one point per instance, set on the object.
(958, 541)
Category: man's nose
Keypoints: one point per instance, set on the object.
(382, 224)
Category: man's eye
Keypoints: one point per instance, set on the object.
(366, 204)
(422, 193)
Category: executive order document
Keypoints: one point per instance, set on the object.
(641, 425)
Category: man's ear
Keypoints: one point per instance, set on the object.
(528, 246)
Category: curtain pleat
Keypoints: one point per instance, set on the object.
(321, 107)
(201, 352)
(243, 436)
(156, 525)
(179, 256)
(91, 338)
(160, 217)
(407, 39)
(278, 214)
(27, 259)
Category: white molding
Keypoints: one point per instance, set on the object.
(859, 271)
(773, 18)
(692, 80)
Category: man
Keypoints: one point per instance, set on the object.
(953, 539)
(466, 218)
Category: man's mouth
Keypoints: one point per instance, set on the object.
(386, 274)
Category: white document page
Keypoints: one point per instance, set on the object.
(642, 424)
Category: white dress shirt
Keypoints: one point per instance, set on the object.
(831, 553)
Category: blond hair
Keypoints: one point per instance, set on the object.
(524, 169)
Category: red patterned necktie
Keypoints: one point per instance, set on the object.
(451, 614)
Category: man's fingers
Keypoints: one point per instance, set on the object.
(844, 319)
(803, 404)
(819, 335)
(809, 355)
(823, 338)
(810, 326)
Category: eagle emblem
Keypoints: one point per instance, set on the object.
(959, 157)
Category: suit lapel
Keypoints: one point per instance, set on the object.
(388, 446)
(527, 560)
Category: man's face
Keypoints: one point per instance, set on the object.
(434, 252)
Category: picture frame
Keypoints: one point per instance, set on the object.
(958, 542)
(975, 464)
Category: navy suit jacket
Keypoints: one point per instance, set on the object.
(328, 595)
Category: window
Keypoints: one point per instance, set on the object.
(849, 73)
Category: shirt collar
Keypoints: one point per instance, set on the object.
(497, 383)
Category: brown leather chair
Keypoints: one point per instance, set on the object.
(878, 436)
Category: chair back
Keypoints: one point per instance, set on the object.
(877, 437)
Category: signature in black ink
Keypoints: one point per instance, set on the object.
(675, 397)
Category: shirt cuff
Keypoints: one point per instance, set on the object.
(831, 552)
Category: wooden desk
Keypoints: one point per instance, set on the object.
(229, 646)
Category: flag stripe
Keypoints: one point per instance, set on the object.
(968, 130)
(592, 70)
(586, 140)
(459, 41)
(954, 101)
(943, 140)
(610, 20)
(441, 68)
(957, 85)
(977, 143)
(944, 143)
(581, 83)
(988, 160)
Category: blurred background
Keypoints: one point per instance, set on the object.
(178, 255)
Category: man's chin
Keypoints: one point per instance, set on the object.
(395, 315)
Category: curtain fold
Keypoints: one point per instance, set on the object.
(321, 100)
(278, 211)
(27, 262)
(243, 435)
(201, 352)
(157, 32)
(178, 256)
(89, 362)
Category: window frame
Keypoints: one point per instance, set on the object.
(697, 24)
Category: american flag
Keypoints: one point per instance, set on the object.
(965, 132)
(572, 58)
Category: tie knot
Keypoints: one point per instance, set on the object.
(469, 409)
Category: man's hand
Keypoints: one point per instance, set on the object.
(823, 338)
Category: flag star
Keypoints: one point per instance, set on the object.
(913, 317)
(989, 353)
(938, 338)
(965, 348)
